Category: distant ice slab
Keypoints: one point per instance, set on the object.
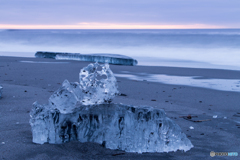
(101, 58)
(115, 126)
(1, 88)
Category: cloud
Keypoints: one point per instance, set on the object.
(151, 12)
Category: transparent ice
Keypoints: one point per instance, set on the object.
(97, 86)
(116, 126)
(66, 97)
(101, 58)
(84, 112)
(1, 88)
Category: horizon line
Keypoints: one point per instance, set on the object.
(113, 26)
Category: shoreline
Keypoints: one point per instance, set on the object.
(41, 80)
(154, 62)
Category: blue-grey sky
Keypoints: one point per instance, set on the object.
(205, 13)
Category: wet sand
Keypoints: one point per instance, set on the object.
(26, 82)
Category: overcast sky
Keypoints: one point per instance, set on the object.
(67, 13)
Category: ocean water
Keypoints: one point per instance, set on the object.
(207, 48)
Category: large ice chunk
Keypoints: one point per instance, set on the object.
(116, 126)
(1, 88)
(97, 86)
(82, 112)
(101, 58)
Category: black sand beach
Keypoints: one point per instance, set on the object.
(24, 83)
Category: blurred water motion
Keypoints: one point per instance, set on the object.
(206, 48)
(194, 81)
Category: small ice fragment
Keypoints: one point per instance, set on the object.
(13, 96)
(66, 97)
(1, 88)
(215, 116)
(224, 117)
(99, 86)
(191, 127)
(3, 142)
(17, 122)
(49, 85)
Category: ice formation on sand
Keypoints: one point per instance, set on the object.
(101, 58)
(97, 86)
(116, 126)
(83, 112)
(1, 88)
